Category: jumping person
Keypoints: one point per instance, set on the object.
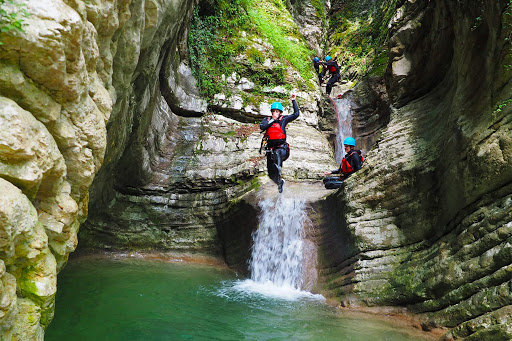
(319, 71)
(334, 70)
(275, 134)
(350, 164)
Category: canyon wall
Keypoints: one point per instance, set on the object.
(426, 224)
(90, 84)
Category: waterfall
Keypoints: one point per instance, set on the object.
(344, 114)
(277, 253)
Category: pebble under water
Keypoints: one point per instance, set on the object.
(133, 299)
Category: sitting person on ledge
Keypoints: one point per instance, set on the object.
(351, 163)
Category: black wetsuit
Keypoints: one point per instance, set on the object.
(281, 148)
(354, 159)
(335, 74)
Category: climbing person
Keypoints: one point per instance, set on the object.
(332, 66)
(350, 164)
(317, 64)
(276, 148)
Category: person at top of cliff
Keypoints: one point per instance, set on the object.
(331, 65)
(319, 71)
(276, 148)
(351, 163)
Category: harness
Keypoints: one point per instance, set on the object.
(269, 149)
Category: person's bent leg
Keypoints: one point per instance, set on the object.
(331, 178)
(330, 84)
(273, 172)
(333, 184)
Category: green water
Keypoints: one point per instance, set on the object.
(149, 300)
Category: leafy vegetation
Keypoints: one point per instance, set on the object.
(226, 37)
(11, 19)
(284, 37)
(212, 44)
(360, 33)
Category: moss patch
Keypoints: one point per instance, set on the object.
(360, 32)
(242, 37)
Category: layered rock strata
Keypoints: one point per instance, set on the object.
(427, 222)
(171, 179)
(60, 80)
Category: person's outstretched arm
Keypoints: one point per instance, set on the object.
(296, 111)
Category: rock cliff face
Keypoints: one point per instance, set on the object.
(74, 65)
(108, 83)
(180, 165)
(427, 222)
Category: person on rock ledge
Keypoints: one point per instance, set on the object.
(332, 66)
(319, 70)
(351, 163)
(276, 148)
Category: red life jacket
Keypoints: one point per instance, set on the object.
(334, 67)
(275, 132)
(346, 167)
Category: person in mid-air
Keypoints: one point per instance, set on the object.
(351, 163)
(277, 149)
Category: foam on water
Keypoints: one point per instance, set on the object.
(269, 289)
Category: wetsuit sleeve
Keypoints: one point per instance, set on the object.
(336, 171)
(287, 119)
(266, 123)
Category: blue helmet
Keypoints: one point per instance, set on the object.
(349, 141)
(328, 58)
(276, 105)
(316, 59)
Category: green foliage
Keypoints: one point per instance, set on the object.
(284, 38)
(360, 34)
(319, 6)
(211, 42)
(255, 55)
(478, 22)
(12, 19)
(502, 106)
(218, 48)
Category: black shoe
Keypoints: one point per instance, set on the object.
(280, 186)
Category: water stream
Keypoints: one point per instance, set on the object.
(277, 254)
(344, 115)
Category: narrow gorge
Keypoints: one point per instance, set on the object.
(133, 125)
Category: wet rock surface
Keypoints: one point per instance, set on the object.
(425, 223)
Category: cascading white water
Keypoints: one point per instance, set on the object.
(277, 253)
(344, 114)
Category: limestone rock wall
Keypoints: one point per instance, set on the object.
(426, 222)
(61, 80)
(178, 164)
